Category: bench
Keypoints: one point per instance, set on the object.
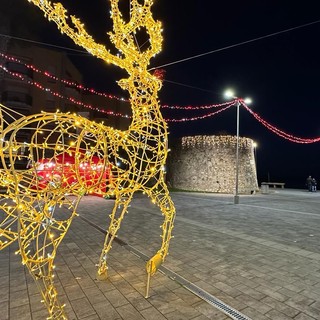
(274, 184)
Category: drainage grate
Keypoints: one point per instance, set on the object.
(212, 300)
(229, 311)
(226, 309)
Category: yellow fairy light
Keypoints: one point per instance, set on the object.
(136, 156)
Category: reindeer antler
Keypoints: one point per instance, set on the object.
(123, 35)
(57, 13)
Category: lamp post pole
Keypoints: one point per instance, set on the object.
(230, 94)
(236, 196)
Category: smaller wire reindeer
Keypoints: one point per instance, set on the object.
(44, 212)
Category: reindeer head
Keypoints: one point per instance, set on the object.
(126, 35)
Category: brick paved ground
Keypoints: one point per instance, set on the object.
(261, 257)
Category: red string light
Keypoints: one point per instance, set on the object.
(57, 94)
(159, 73)
(224, 106)
(209, 106)
(277, 131)
(67, 82)
(208, 115)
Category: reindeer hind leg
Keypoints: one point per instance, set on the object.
(160, 196)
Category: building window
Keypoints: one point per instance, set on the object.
(17, 98)
(19, 68)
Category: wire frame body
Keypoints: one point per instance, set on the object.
(69, 156)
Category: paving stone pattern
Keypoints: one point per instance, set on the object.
(261, 257)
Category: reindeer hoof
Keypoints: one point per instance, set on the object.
(102, 276)
(154, 263)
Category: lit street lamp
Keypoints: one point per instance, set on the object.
(230, 94)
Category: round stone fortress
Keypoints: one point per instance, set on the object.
(208, 163)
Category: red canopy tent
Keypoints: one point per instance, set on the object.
(67, 171)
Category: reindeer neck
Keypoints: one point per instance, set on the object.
(146, 114)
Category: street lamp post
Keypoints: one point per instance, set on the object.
(229, 94)
(236, 196)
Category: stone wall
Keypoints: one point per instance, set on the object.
(208, 163)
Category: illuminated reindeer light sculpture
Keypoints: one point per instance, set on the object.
(44, 211)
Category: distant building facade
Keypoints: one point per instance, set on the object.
(26, 96)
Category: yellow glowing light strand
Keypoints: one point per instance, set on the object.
(44, 205)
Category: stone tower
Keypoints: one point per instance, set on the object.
(208, 163)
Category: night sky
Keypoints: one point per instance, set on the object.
(280, 73)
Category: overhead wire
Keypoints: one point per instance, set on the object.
(44, 43)
(235, 45)
(275, 130)
(184, 59)
(223, 107)
(189, 86)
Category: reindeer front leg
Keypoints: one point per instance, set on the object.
(8, 226)
(42, 272)
(39, 237)
(118, 212)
